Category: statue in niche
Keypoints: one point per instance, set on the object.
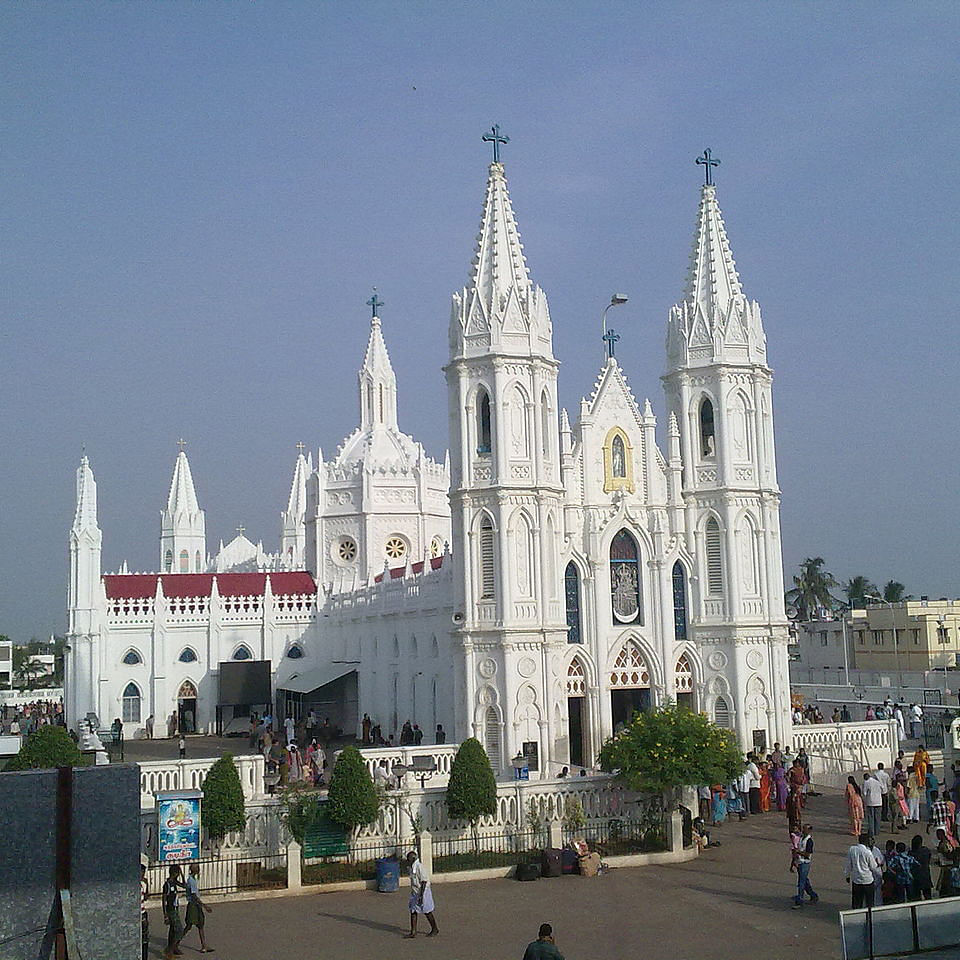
(618, 458)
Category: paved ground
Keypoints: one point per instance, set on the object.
(733, 902)
(198, 748)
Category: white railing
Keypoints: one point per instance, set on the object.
(442, 756)
(840, 750)
(189, 775)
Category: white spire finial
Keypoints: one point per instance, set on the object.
(85, 517)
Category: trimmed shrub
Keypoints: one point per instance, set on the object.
(223, 807)
(352, 800)
(472, 790)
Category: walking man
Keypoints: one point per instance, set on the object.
(872, 803)
(196, 907)
(916, 721)
(862, 870)
(421, 896)
(171, 911)
(803, 860)
(883, 778)
(543, 948)
(753, 788)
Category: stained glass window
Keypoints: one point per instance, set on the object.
(625, 588)
(679, 602)
(571, 585)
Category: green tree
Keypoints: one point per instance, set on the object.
(223, 806)
(352, 800)
(671, 747)
(472, 788)
(47, 746)
(299, 810)
(811, 589)
(894, 592)
(858, 589)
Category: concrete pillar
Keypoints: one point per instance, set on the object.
(556, 834)
(676, 831)
(426, 851)
(294, 866)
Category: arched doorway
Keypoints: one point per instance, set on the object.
(629, 685)
(187, 707)
(577, 714)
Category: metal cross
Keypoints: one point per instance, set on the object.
(300, 447)
(495, 137)
(240, 529)
(610, 338)
(708, 162)
(374, 302)
(181, 443)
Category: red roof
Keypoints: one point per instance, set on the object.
(135, 586)
(397, 572)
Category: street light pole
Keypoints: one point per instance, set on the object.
(615, 301)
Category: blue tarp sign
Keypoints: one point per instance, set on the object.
(178, 825)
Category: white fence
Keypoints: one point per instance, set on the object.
(840, 750)
(442, 757)
(189, 775)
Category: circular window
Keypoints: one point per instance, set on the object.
(396, 547)
(347, 549)
(436, 547)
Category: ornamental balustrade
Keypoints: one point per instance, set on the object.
(292, 608)
(189, 775)
(840, 750)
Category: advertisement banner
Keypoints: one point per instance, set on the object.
(178, 827)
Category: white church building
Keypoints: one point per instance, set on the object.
(534, 590)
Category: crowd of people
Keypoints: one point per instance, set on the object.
(909, 716)
(23, 718)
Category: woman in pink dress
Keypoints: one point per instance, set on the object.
(854, 806)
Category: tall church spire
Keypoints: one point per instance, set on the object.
(85, 517)
(293, 528)
(378, 383)
(182, 524)
(714, 322)
(500, 306)
(85, 544)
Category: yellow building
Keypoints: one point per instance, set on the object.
(914, 635)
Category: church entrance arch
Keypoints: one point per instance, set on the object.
(187, 707)
(577, 714)
(629, 686)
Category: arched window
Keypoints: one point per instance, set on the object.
(625, 588)
(168, 561)
(545, 420)
(679, 602)
(714, 559)
(488, 577)
(571, 592)
(491, 737)
(131, 658)
(721, 712)
(199, 567)
(381, 403)
(518, 423)
(295, 653)
(707, 434)
(130, 712)
(188, 655)
(184, 561)
(243, 653)
(618, 458)
(483, 422)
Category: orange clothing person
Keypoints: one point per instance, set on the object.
(921, 761)
(854, 806)
(765, 784)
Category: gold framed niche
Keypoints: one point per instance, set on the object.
(618, 462)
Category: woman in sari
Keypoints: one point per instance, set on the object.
(854, 806)
(765, 784)
(921, 763)
(718, 807)
(901, 810)
(780, 784)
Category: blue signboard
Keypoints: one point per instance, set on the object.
(178, 825)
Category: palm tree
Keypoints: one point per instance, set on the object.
(894, 592)
(28, 671)
(858, 589)
(811, 590)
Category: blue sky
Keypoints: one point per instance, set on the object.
(198, 198)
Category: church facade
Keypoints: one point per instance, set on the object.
(546, 581)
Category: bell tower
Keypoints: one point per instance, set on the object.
(505, 494)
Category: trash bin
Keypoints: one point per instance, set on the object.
(388, 874)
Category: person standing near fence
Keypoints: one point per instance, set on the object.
(196, 908)
(421, 896)
(803, 861)
(862, 871)
(872, 803)
(171, 911)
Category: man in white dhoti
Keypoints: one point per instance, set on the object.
(421, 896)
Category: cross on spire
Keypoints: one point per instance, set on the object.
(374, 303)
(240, 529)
(181, 443)
(610, 338)
(496, 138)
(300, 447)
(708, 161)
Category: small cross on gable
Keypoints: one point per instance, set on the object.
(611, 337)
(240, 529)
(708, 162)
(301, 446)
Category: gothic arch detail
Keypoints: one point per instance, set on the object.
(630, 668)
(684, 675)
(617, 462)
(576, 678)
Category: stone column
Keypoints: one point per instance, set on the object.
(294, 866)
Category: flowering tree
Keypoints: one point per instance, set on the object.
(669, 748)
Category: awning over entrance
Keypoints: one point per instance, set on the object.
(313, 679)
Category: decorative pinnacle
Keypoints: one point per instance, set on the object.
(496, 138)
(708, 161)
(374, 303)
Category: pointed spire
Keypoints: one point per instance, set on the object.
(712, 281)
(297, 501)
(182, 496)
(85, 517)
(378, 383)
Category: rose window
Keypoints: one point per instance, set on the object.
(396, 548)
(347, 551)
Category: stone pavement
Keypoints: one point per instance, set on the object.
(732, 902)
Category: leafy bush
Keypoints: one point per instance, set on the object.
(472, 790)
(353, 800)
(669, 748)
(299, 810)
(223, 807)
(47, 746)
(573, 816)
